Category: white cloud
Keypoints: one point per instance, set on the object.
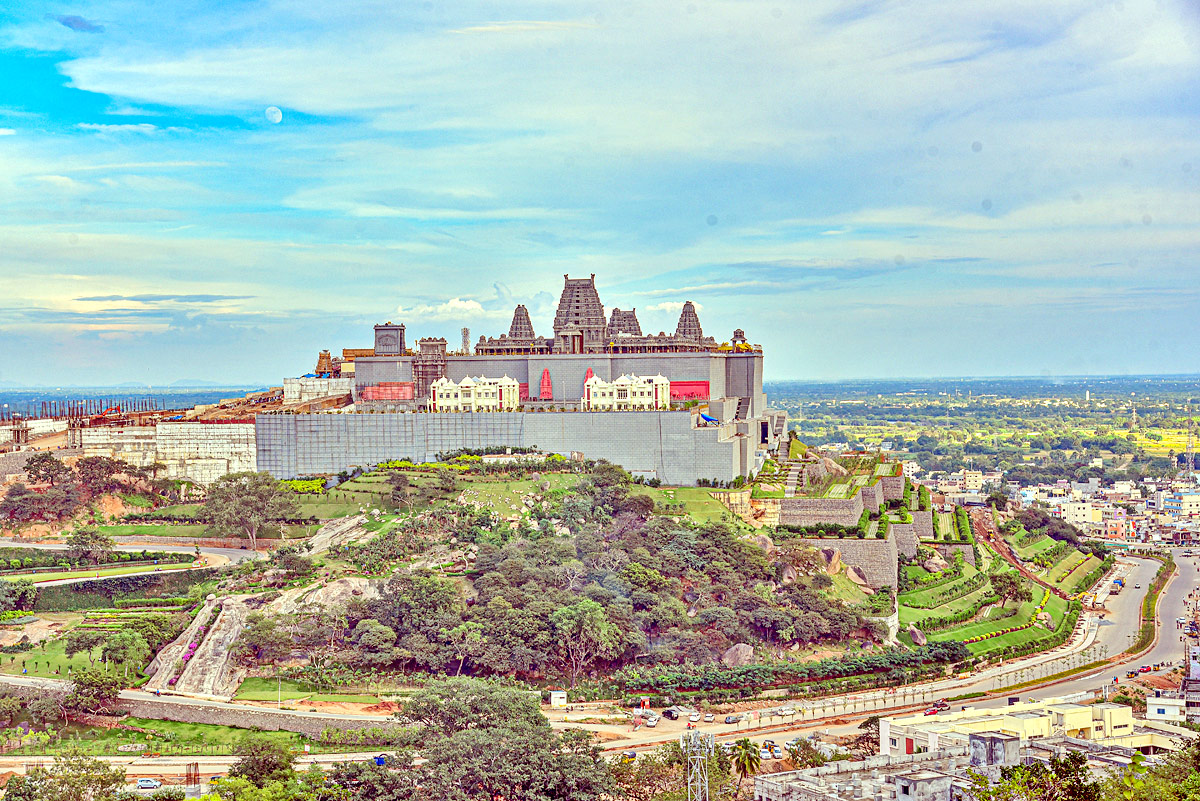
(453, 309)
(675, 307)
(140, 127)
(7, 131)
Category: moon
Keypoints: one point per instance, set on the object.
(274, 115)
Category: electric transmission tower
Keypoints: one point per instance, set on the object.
(697, 748)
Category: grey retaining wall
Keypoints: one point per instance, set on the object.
(659, 443)
(875, 558)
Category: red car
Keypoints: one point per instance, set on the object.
(933, 710)
(1144, 669)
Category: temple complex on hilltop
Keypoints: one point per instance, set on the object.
(678, 407)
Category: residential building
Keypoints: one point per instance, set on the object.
(626, 393)
(1181, 504)
(475, 395)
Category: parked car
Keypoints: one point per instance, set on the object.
(694, 717)
(733, 718)
(792, 743)
(777, 752)
(148, 784)
(727, 747)
(628, 756)
(652, 722)
(768, 743)
(709, 717)
(670, 714)
(764, 753)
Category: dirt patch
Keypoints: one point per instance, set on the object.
(383, 710)
(37, 631)
(111, 506)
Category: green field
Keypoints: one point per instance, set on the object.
(1070, 582)
(1063, 566)
(697, 501)
(38, 578)
(911, 614)
(1057, 607)
(929, 595)
(47, 660)
(171, 738)
(265, 689)
(1039, 544)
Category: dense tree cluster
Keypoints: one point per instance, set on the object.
(625, 584)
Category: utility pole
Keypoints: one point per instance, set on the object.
(697, 747)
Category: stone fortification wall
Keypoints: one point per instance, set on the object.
(948, 549)
(299, 390)
(893, 487)
(813, 511)
(660, 443)
(200, 452)
(872, 497)
(906, 538)
(246, 718)
(923, 524)
(875, 558)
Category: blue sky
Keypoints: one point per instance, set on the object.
(872, 189)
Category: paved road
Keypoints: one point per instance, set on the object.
(223, 555)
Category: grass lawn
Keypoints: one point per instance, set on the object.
(911, 614)
(1057, 607)
(38, 578)
(1031, 549)
(47, 660)
(170, 738)
(916, 571)
(328, 510)
(928, 596)
(180, 509)
(1063, 566)
(153, 530)
(698, 502)
(265, 689)
(844, 589)
(1073, 578)
(945, 522)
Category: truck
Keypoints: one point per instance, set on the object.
(1117, 586)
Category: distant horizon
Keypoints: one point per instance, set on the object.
(207, 384)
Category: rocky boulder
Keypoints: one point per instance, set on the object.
(832, 558)
(918, 636)
(936, 563)
(788, 574)
(764, 542)
(855, 574)
(738, 655)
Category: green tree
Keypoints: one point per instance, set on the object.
(93, 690)
(74, 776)
(89, 544)
(45, 466)
(375, 643)
(445, 707)
(582, 634)
(467, 641)
(18, 594)
(746, 760)
(1065, 779)
(261, 760)
(125, 649)
(97, 474)
(262, 641)
(1009, 586)
(10, 707)
(84, 641)
(240, 504)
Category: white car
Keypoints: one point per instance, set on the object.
(148, 784)
(652, 722)
(709, 717)
(764, 753)
(787, 710)
(694, 717)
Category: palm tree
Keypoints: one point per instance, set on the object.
(746, 761)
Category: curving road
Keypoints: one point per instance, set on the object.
(223, 555)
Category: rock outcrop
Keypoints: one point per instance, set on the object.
(738, 655)
(918, 636)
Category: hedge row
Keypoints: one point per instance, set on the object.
(1031, 622)
(953, 593)
(946, 621)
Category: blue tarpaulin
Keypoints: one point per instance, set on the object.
(704, 416)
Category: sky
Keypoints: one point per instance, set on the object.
(218, 190)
